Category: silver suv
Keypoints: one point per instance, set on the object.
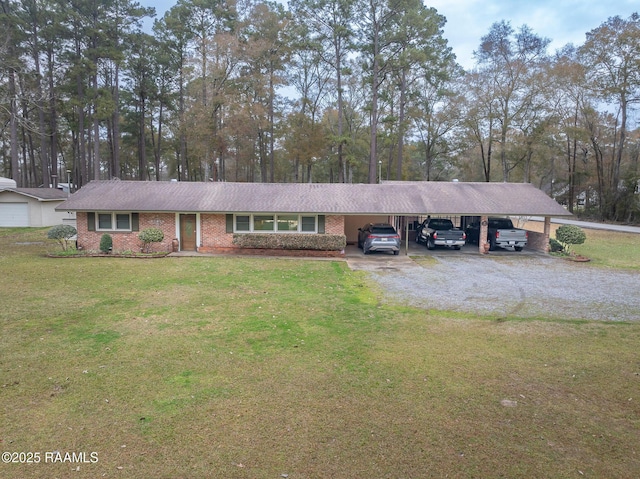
(378, 237)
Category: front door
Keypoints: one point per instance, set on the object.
(187, 232)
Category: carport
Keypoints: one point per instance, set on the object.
(402, 203)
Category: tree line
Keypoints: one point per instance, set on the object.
(318, 91)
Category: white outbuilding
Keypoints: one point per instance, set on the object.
(31, 206)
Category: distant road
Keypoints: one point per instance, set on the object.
(591, 225)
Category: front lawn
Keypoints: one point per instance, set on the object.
(605, 249)
(617, 250)
(267, 368)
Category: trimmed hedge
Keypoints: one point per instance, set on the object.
(321, 242)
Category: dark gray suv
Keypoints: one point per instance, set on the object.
(378, 237)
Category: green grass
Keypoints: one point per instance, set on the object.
(258, 367)
(611, 250)
(606, 249)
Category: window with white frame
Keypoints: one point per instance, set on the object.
(288, 223)
(309, 224)
(242, 223)
(113, 221)
(263, 222)
(275, 223)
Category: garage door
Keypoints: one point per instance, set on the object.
(14, 214)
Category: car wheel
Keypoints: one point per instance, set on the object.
(518, 248)
(396, 253)
(365, 251)
(430, 244)
(456, 247)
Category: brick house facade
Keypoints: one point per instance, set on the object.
(128, 240)
(213, 233)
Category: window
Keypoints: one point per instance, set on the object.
(243, 223)
(122, 222)
(104, 221)
(383, 230)
(263, 223)
(115, 221)
(287, 222)
(284, 223)
(308, 224)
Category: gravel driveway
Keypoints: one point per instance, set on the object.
(507, 285)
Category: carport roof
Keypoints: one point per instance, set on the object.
(388, 198)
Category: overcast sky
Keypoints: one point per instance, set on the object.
(562, 21)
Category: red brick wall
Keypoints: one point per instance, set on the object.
(213, 232)
(334, 225)
(214, 236)
(129, 241)
(538, 241)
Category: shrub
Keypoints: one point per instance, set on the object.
(555, 246)
(106, 243)
(148, 236)
(569, 235)
(62, 234)
(320, 242)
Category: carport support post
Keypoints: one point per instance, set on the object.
(406, 236)
(482, 239)
(547, 233)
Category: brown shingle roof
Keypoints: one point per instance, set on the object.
(42, 194)
(402, 198)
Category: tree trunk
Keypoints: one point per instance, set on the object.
(82, 149)
(53, 116)
(158, 150)
(271, 129)
(96, 137)
(262, 156)
(623, 135)
(142, 151)
(503, 154)
(184, 167)
(572, 174)
(42, 133)
(373, 154)
(600, 174)
(337, 49)
(116, 124)
(13, 128)
(401, 114)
